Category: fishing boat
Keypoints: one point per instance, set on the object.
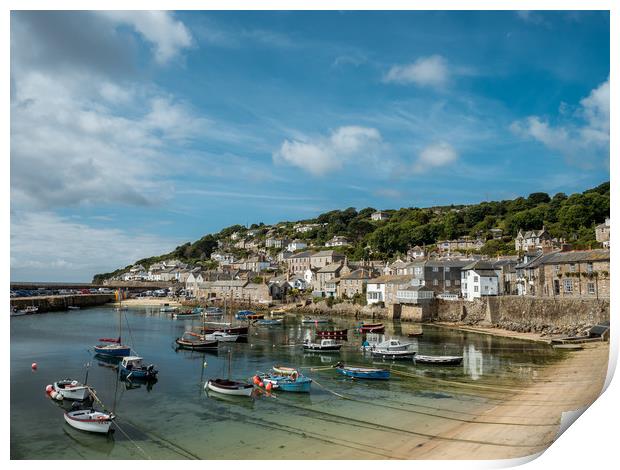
(233, 330)
(393, 345)
(115, 348)
(166, 308)
(70, 389)
(90, 420)
(213, 312)
(196, 342)
(229, 387)
(221, 336)
(314, 321)
(248, 315)
(285, 383)
(439, 360)
(371, 328)
(336, 334)
(326, 345)
(385, 354)
(413, 335)
(24, 311)
(133, 366)
(268, 322)
(369, 373)
(186, 315)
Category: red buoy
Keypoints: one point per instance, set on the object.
(49, 388)
(260, 384)
(256, 380)
(268, 387)
(34, 366)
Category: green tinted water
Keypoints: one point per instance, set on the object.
(175, 418)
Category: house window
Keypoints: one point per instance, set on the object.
(418, 270)
(435, 282)
(591, 289)
(457, 283)
(476, 278)
(475, 288)
(435, 269)
(589, 267)
(557, 268)
(568, 286)
(447, 268)
(447, 283)
(573, 267)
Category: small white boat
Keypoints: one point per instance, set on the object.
(167, 308)
(229, 387)
(71, 389)
(326, 345)
(394, 345)
(314, 321)
(89, 420)
(222, 337)
(439, 360)
(73, 307)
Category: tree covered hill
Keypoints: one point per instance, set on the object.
(571, 217)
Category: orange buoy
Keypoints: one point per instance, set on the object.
(49, 388)
(261, 384)
(268, 387)
(34, 366)
(256, 380)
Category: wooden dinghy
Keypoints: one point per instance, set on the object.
(369, 373)
(439, 360)
(70, 389)
(196, 342)
(394, 355)
(89, 420)
(372, 328)
(229, 387)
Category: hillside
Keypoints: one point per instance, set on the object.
(571, 217)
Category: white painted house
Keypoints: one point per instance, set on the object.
(479, 279)
(296, 245)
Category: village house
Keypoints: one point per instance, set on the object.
(379, 215)
(602, 233)
(354, 282)
(296, 245)
(576, 273)
(337, 241)
(460, 245)
(378, 289)
(255, 263)
(534, 240)
(299, 262)
(283, 256)
(278, 243)
(415, 253)
(414, 294)
(506, 275)
(530, 274)
(443, 276)
(327, 273)
(397, 268)
(309, 276)
(304, 228)
(222, 258)
(479, 279)
(496, 233)
(323, 258)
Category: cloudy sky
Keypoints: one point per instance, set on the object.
(134, 132)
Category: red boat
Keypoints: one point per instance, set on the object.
(338, 334)
(372, 328)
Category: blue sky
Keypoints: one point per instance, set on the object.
(134, 132)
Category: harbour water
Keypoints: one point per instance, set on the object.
(175, 418)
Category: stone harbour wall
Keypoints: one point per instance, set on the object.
(54, 303)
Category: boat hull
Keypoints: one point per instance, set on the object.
(319, 348)
(362, 373)
(286, 384)
(84, 420)
(439, 360)
(228, 387)
(113, 350)
(68, 392)
(394, 355)
(197, 345)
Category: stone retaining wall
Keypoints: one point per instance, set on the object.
(54, 303)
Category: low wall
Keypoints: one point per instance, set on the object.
(54, 303)
(345, 309)
(526, 314)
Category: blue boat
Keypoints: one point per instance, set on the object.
(244, 314)
(197, 310)
(362, 372)
(287, 383)
(134, 367)
(112, 350)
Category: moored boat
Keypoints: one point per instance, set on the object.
(114, 349)
(70, 389)
(285, 383)
(439, 360)
(385, 354)
(248, 315)
(284, 370)
(233, 330)
(221, 336)
(73, 307)
(269, 322)
(325, 345)
(89, 420)
(133, 366)
(369, 373)
(196, 342)
(394, 345)
(371, 328)
(186, 315)
(229, 387)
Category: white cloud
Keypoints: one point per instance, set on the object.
(168, 35)
(585, 140)
(435, 155)
(432, 71)
(45, 246)
(324, 154)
